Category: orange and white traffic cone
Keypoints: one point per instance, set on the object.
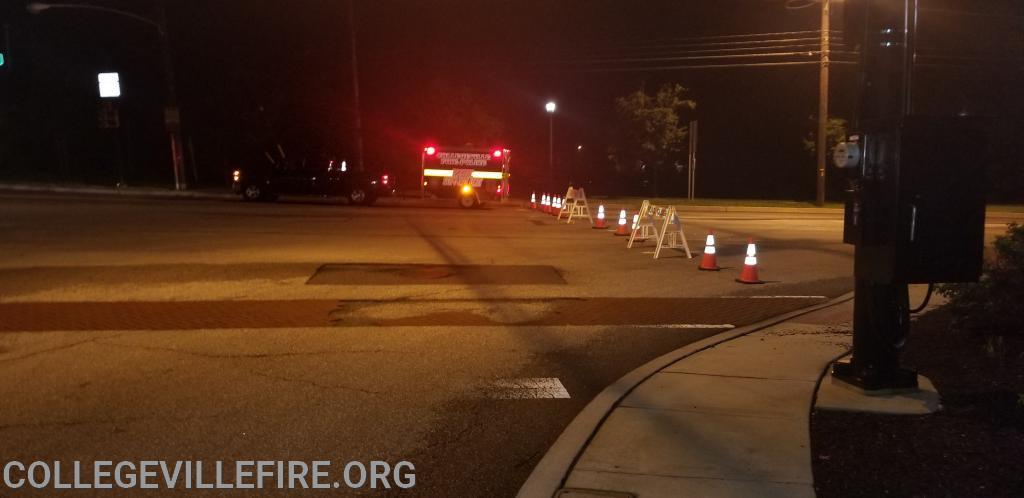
(622, 230)
(749, 274)
(709, 262)
(533, 200)
(635, 225)
(556, 206)
(599, 224)
(544, 203)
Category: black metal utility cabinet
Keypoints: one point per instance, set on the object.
(919, 215)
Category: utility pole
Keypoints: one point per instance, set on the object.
(691, 190)
(823, 102)
(551, 149)
(358, 120)
(550, 108)
(172, 119)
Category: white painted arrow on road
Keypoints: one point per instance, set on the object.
(527, 388)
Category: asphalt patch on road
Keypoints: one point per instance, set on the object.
(433, 274)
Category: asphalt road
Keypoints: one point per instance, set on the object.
(212, 330)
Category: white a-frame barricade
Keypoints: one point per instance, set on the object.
(579, 207)
(570, 196)
(645, 226)
(666, 225)
(671, 235)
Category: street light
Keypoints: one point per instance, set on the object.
(172, 120)
(550, 107)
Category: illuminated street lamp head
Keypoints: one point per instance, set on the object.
(37, 7)
(550, 106)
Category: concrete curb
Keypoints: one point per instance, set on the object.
(714, 208)
(550, 473)
(755, 209)
(616, 204)
(122, 192)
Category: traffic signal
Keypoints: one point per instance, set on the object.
(2, 59)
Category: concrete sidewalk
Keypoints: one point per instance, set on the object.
(726, 417)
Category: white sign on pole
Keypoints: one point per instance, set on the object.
(110, 85)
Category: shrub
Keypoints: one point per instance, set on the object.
(995, 304)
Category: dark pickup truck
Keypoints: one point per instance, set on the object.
(265, 178)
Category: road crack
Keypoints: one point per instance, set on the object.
(94, 340)
(257, 356)
(126, 420)
(316, 384)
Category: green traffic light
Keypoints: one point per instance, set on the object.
(1, 58)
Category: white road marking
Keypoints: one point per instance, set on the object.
(685, 326)
(527, 388)
(773, 297)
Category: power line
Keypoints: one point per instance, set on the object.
(712, 66)
(726, 50)
(669, 51)
(979, 59)
(750, 35)
(971, 67)
(640, 60)
(698, 43)
(731, 43)
(810, 50)
(700, 57)
(962, 13)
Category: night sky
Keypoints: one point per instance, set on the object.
(257, 71)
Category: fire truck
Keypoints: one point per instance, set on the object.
(470, 175)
